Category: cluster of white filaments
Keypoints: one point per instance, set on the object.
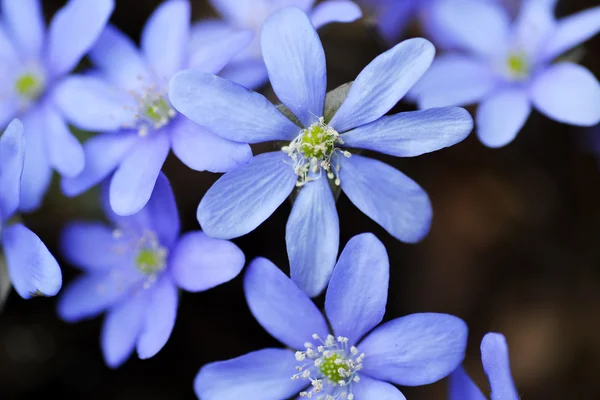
(150, 256)
(313, 152)
(153, 110)
(331, 367)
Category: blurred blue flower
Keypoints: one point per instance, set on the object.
(350, 361)
(133, 271)
(494, 356)
(508, 67)
(313, 156)
(32, 270)
(248, 68)
(126, 98)
(33, 61)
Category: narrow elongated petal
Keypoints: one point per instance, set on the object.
(199, 262)
(501, 116)
(462, 387)
(415, 350)
(568, 93)
(9, 109)
(260, 375)
(64, 150)
(103, 153)
(12, 159)
(414, 133)
(357, 293)
(32, 269)
(24, 21)
(165, 37)
(9, 54)
(454, 80)
(250, 73)
(335, 11)
(312, 237)
(92, 104)
(132, 183)
(236, 12)
(387, 196)
(228, 109)
(571, 31)
(246, 196)
(202, 150)
(280, 306)
(73, 31)
(295, 60)
(121, 328)
(369, 388)
(494, 356)
(159, 318)
(533, 26)
(383, 83)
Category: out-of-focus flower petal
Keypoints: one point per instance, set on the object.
(12, 159)
(250, 73)
(65, 153)
(494, 356)
(24, 20)
(461, 387)
(533, 26)
(335, 11)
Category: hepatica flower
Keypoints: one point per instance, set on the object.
(508, 67)
(248, 68)
(494, 356)
(133, 269)
(340, 355)
(33, 61)
(32, 270)
(126, 98)
(315, 152)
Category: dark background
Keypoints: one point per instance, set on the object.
(513, 249)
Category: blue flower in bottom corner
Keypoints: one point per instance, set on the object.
(350, 360)
(32, 270)
(134, 269)
(494, 356)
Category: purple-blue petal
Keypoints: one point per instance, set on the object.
(462, 387)
(368, 388)
(65, 153)
(494, 356)
(12, 159)
(335, 11)
(24, 21)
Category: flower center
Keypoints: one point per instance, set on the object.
(313, 151)
(331, 368)
(29, 86)
(151, 256)
(517, 66)
(154, 111)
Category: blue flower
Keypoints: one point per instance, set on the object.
(494, 356)
(126, 98)
(508, 67)
(133, 271)
(248, 68)
(313, 156)
(32, 270)
(33, 62)
(349, 361)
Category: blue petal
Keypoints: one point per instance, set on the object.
(280, 306)
(335, 11)
(392, 16)
(9, 108)
(122, 328)
(250, 73)
(295, 60)
(199, 262)
(387, 196)
(165, 37)
(568, 93)
(312, 237)
(414, 133)
(494, 356)
(24, 21)
(501, 116)
(368, 389)
(202, 150)
(12, 158)
(159, 318)
(214, 43)
(64, 150)
(357, 293)
(533, 26)
(228, 109)
(260, 375)
(415, 350)
(236, 12)
(8, 53)
(73, 31)
(134, 179)
(246, 196)
(462, 387)
(32, 269)
(103, 153)
(92, 104)
(383, 83)
(572, 31)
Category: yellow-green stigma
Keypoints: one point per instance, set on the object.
(518, 67)
(155, 112)
(332, 371)
(29, 86)
(150, 260)
(318, 141)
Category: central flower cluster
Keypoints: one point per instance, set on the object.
(331, 368)
(517, 66)
(151, 256)
(153, 112)
(29, 86)
(313, 151)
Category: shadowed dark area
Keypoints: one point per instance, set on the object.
(513, 249)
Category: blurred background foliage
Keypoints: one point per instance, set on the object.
(514, 248)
